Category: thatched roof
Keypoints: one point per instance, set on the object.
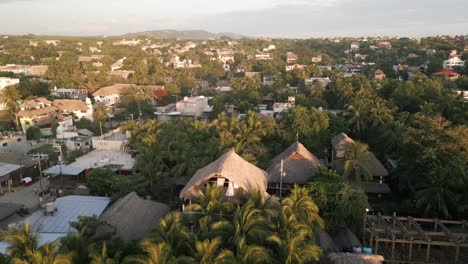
(346, 239)
(349, 258)
(342, 142)
(324, 241)
(231, 167)
(132, 217)
(297, 164)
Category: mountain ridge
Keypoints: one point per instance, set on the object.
(184, 34)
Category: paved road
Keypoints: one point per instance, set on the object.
(25, 195)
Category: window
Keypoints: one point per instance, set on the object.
(5, 144)
(18, 139)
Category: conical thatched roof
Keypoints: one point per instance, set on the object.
(324, 241)
(342, 142)
(346, 239)
(297, 164)
(132, 217)
(229, 166)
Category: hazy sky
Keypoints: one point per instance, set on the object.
(275, 18)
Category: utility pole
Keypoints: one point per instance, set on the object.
(58, 148)
(282, 174)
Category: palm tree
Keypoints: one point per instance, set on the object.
(140, 94)
(206, 251)
(155, 254)
(380, 114)
(244, 253)
(295, 247)
(345, 93)
(21, 240)
(100, 112)
(47, 254)
(9, 96)
(175, 236)
(317, 90)
(301, 208)
(437, 195)
(356, 112)
(356, 163)
(208, 207)
(102, 258)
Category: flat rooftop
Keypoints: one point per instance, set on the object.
(100, 158)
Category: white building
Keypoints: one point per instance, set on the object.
(193, 106)
(295, 66)
(264, 56)
(354, 46)
(118, 64)
(124, 42)
(77, 108)
(269, 48)
(453, 61)
(323, 80)
(317, 58)
(109, 95)
(6, 81)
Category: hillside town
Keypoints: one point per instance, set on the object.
(234, 150)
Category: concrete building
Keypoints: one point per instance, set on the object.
(76, 108)
(323, 80)
(70, 93)
(453, 61)
(37, 112)
(16, 143)
(193, 106)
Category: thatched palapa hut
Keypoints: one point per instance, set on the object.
(231, 172)
(298, 163)
(342, 143)
(132, 217)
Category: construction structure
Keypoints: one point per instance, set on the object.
(417, 240)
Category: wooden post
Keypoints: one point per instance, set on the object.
(428, 252)
(410, 255)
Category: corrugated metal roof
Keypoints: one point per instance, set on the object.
(66, 170)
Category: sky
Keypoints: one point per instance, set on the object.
(267, 18)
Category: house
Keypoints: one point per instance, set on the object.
(264, 56)
(50, 228)
(385, 44)
(448, 74)
(125, 42)
(131, 217)
(295, 66)
(324, 68)
(6, 81)
(230, 172)
(296, 164)
(110, 95)
(353, 68)
(52, 42)
(76, 108)
(26, 166)
(193, 106)
(379, 75)
(316, 59)
(13, 142)
(268, 80)
(124, 74)
(354, 46)
(70, 93)
(118, 64)
(269, 48)
(223, 86)
(252, 74)
(291, 58)
(323, 80)
(79, 142)
(37, 112)
(453, 61)
(281, 107)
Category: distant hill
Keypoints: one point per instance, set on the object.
(184, 34)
